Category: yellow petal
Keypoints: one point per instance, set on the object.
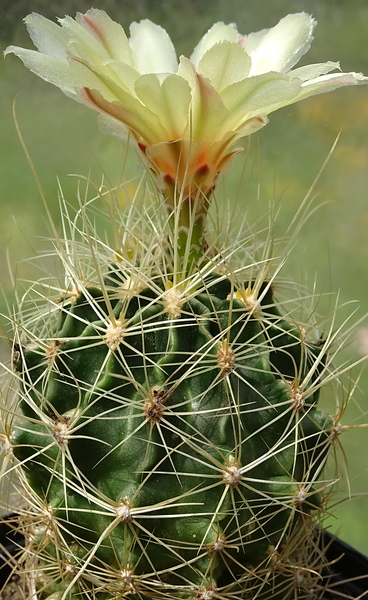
(145, 126)
(224, 64)
(120, 74)
(168, 100)
(208, 112)
(257, 96)
(219, 32)
(97, 80)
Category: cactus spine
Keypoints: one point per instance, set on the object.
(166, 431)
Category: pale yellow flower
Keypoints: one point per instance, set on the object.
(184, 116)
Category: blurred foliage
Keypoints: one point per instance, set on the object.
(62, 137)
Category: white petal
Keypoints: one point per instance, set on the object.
(48, 68)
(328, 83)
(169, 101)
(47, 36)
(251, 41)
(321, 85)
(312, 71)
(280, 48)
(252, 125)
(69, 77)
(110, 34)
(223, 64)
(111, 126)
(219, 32)
(153, 50)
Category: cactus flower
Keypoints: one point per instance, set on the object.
(185, 116)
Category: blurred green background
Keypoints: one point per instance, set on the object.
(285, 157)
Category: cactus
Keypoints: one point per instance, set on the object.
(170, 443)
(162, 414)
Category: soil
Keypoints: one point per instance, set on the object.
(12, 591)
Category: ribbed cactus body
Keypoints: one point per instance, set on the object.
(171, 446)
